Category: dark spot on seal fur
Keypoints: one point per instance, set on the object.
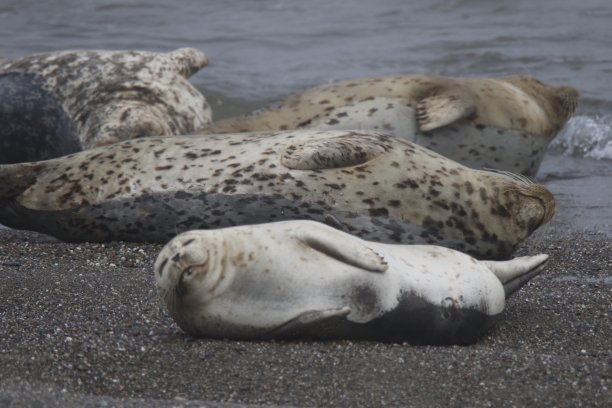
(365, 298)
(377, 212)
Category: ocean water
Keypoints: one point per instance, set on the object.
(263, 50)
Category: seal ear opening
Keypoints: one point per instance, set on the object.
(351, 149)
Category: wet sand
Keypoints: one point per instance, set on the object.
(82, 326)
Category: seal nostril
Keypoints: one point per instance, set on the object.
(189, 241)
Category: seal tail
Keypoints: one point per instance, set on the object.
(16, 178)
(515, 273)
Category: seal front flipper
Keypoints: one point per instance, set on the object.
(442, 110)
(351, 149)
(340, 246)
(314, 321)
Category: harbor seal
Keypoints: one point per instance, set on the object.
(501, 123)
(372, 185)
(102, 96)
(305, 279)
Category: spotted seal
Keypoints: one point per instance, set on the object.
(372, 185)
(303, 278)
(62, 102)
(500, 123)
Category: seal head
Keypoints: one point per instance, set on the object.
(104, 97)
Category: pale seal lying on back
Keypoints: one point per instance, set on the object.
(501, 123)
(305, 279)
(56, 103)
(368, 184)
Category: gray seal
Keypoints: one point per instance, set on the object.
(305, 279)
(66, 101)
(372, 185)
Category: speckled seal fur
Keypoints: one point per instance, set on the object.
(372, 185)
(501, 123)
(305, 279)
(103, 97)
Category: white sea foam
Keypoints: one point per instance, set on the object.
(586, 136)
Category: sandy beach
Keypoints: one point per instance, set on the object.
(83, 326)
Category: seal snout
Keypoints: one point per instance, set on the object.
(569, 98)
(180, 258)
(183, 265)
(538, 206)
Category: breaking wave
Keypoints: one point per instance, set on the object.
(586, 136)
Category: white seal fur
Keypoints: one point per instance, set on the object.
(305, 279)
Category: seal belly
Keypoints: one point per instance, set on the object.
(417, 321)
(34, 123)
(487, 147)
(414, 320)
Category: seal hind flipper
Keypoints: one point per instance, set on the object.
(335, 244)
(313, 321)
(515, 273)
(188, 60)
(442, 110)
(347, 150)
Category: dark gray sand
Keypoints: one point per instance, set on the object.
(81, 325)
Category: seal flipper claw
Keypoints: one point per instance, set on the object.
(335, 244)
(351, 149)
(314, 321)
(442, 110)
